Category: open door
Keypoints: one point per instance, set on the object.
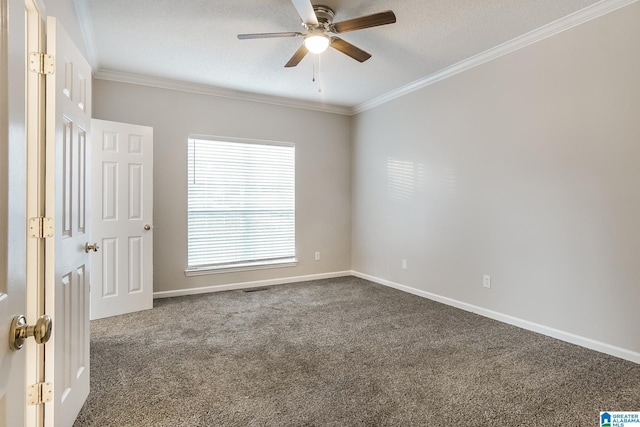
(68, 118)
(122, 218)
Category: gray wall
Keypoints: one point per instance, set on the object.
(526, 168)
(323, 163)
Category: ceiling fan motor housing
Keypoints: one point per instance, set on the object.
(324, 14)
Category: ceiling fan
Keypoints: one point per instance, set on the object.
(318, 23)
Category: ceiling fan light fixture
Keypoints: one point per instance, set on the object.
(316, 43)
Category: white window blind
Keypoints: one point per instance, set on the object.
(241, 204)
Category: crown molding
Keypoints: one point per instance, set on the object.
(202, 89)
(584, 15)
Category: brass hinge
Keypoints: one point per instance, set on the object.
(39, 393)
(41, 227)
(41, 63)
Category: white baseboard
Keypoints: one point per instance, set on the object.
(609, 349)
(249, 285)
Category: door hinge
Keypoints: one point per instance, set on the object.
(39, 393)
(41, 63)
(41, 227)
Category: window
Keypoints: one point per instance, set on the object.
(241, 204)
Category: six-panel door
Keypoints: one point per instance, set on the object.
(122, 218)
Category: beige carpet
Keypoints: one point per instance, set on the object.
(340, 352)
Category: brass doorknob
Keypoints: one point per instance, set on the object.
(147, 227)
(20, 331)
(88, 247)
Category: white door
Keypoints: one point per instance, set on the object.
(122, 218)
(68, 117)
(12, 208)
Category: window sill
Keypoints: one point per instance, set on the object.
(204, 271)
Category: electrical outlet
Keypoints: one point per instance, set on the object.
(317, 256)
(404, 264)
(486, 281)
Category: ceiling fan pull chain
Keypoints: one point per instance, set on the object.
(319, 79)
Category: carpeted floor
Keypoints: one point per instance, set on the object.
(340, 352)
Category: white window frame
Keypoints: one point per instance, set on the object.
(227, 267)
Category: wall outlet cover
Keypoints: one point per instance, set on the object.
(486, 281)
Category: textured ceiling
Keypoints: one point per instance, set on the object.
(194, 41)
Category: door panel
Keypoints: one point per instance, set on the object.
(68, 118)
(13, 202)
(123, 275)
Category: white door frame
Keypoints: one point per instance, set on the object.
(35, 131)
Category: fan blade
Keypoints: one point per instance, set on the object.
(297, 57)
(382, 18)
(267, 35)
(349, 49)
(306, 12)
